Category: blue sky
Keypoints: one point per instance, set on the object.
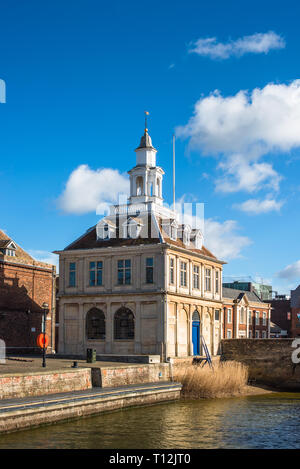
(79, 76)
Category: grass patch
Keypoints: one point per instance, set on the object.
(226, 379)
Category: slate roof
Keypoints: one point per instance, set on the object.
(89, 239)
(234, 294)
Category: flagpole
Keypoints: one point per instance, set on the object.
(174, 172)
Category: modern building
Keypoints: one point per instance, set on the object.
(25, 285)
(264, 292)
(140, 281)
(245, 315)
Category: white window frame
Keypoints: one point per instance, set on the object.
(264, 318)
(229, 310)
(171, 270)
(196, 277)
(207, 279)
(183, 274)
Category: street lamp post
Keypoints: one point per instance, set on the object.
(45, 307)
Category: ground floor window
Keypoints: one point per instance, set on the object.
(229, 334)
(124, 324)
(95, 324)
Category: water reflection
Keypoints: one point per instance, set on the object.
(269, 421)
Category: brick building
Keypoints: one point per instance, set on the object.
(245, 315)
(295, 311)
(25, 284)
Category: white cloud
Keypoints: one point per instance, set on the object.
(256, 206)
(241, 129)
(223, 240)
(45, 256)
(290, 272)
(258, 43)
(90, 190)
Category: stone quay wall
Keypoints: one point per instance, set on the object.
(269, 360)
(40, 383)
(115, 376)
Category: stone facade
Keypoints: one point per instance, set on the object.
(139, 282)
(25, 284)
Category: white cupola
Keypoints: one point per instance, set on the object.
(146, 177)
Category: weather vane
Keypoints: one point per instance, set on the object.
(146, 114)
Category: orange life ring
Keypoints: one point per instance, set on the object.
(41, 341)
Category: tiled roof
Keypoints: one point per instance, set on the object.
(89, 239)
(21, 255)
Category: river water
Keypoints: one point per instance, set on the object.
(267, 421)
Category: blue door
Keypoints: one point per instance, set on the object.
(196, 337)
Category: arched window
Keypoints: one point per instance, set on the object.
(196, 316)
(124, 324)
(158, 187)
(95, 324)
(139, 185)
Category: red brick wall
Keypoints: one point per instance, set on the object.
(243, 327)
(23, 290)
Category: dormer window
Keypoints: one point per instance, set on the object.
(131, 229)
(173, 232)
(198, 240)
(186, 235)
(10, 252)
(105, 230)
(9, 248)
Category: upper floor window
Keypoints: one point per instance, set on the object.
(183, 274)
(217, 281)
(242, 315)
(250, 317)
(96, 273)
(149, 270)
(172, 270)
(207, 280)
(72, 274)
(124, 272)
(264, 319)
(257, 318)
(229, 315)
(196, 277)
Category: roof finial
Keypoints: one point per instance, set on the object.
(146, 114)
